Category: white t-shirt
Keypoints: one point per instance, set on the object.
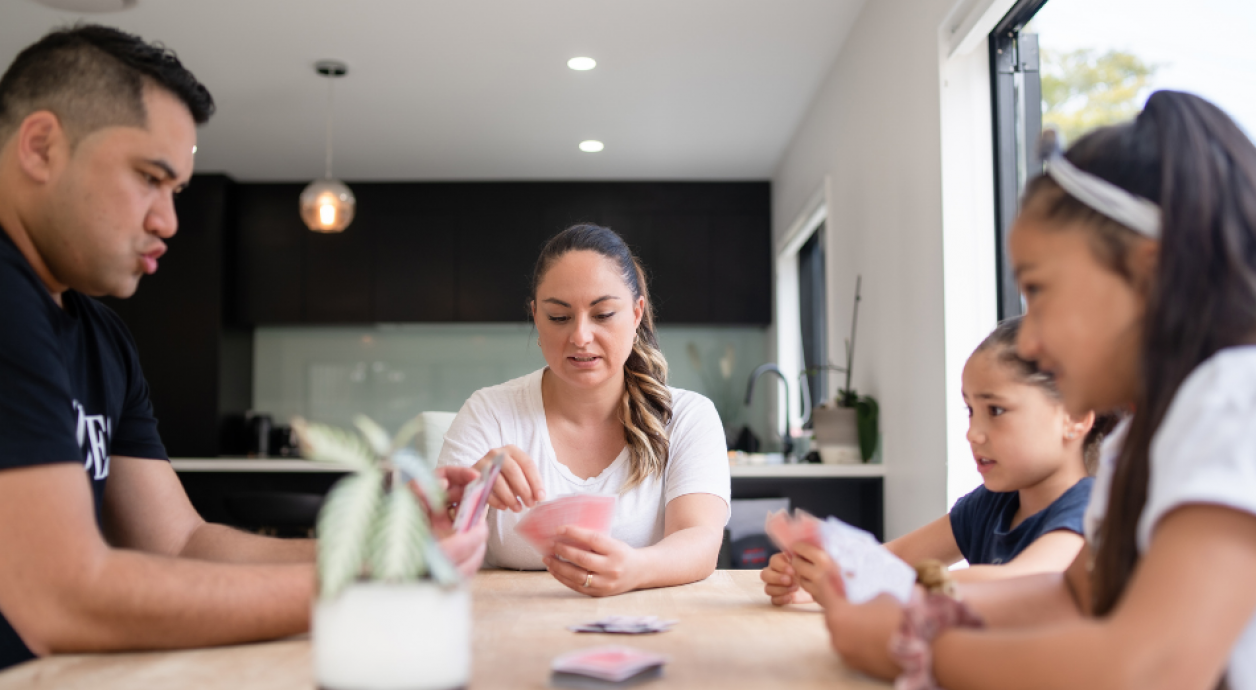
(512, 413)
(1203, 452)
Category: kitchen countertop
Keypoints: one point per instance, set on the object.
(299, 465)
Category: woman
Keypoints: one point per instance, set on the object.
(600, 419)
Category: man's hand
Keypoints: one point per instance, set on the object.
(466, 550)
(780, 582)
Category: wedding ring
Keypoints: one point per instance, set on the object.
(588, 578)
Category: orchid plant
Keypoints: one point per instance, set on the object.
(372, 525)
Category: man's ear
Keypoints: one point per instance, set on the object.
(40, 140)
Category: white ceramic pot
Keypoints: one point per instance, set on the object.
(377, 636)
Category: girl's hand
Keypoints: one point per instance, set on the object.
(584, 556)
(781, 582)
(818, 574)
(519, 484)
(861, 633)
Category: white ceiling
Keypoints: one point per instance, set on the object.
(479, 89)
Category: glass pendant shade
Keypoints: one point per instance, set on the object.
(327, 205)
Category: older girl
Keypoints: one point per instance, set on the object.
(1034, 460)
(1136, 253)
(600, 418)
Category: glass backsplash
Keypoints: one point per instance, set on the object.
(392, 372)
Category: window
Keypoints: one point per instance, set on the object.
(812, 310)
(1079, 64)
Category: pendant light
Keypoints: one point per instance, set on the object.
(327, 204)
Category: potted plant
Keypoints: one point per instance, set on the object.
(392, 612)
(854, 419)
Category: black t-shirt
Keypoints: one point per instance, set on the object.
(72, 390)
(982, 522)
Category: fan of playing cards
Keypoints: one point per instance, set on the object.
(867, 568)
(539, 527)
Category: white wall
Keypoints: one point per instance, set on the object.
(875, 129)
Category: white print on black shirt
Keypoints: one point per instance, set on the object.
(93, 439)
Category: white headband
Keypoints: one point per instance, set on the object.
(1134, 212)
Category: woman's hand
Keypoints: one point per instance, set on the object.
(584, 557)
(519, 484)
(780, 582)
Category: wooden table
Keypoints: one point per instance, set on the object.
(729, 636)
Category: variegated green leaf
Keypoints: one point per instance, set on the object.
(374, 434)
(344, 528)
(406, 434)
(413, 467)
(397, 544)
(328, 444)
(438, 564)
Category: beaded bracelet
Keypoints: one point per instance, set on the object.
(926, 615)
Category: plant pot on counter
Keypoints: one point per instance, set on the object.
(381, 636)
(836, 434)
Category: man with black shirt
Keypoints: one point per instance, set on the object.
(99, 547)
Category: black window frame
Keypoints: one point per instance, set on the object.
(1016, 98)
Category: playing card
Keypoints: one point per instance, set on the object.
(625, 625)
(475, 496)
(539, 527)
(786, 531)
(867, 567)
(613, 663)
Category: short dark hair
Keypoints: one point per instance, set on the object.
(93, 76)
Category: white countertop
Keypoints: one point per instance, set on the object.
(299, 465)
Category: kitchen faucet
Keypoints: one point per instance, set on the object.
(787, 444)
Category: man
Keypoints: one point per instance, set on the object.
(97, 132)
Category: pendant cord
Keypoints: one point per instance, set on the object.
(330, 104)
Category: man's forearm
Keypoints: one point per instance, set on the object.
(220, 543)
(140, 601)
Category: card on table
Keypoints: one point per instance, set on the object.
(611, 664)
(539, 527)
(476, 494)
(624, 625)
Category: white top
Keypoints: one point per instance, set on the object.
(512, 413)
(1203, 452)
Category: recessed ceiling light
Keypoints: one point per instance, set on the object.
(582, 64)
(591, 146)
(89, 5)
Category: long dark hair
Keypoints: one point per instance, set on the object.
(1001, 344)
(646, 407)
(1189, 157)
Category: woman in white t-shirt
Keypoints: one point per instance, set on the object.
(600, 419)
(1136, 254)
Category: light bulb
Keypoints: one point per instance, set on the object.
(327, 206)
(591, 146)
(582, 64)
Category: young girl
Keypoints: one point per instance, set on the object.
(1034, 461)
(600, 418)
(1136, 253)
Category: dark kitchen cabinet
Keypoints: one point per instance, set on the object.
(197, 361)
(450, 252)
